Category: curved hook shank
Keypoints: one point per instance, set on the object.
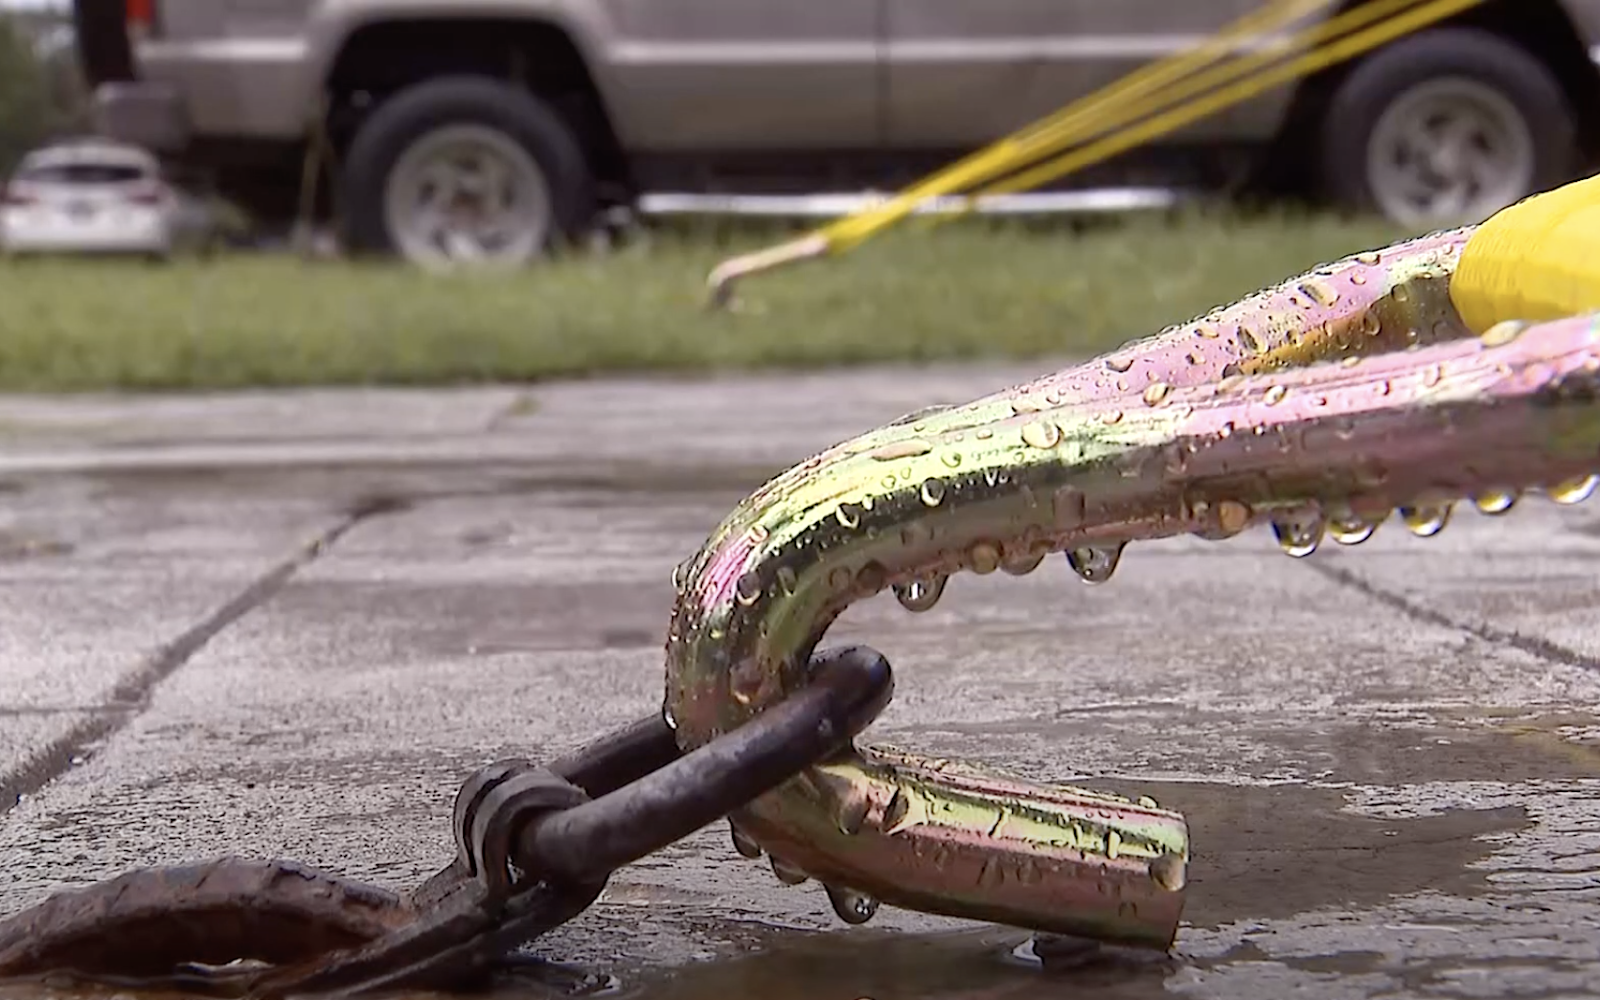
(1206, 428)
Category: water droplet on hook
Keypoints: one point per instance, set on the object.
(1232, 517)
(1495, 501)
(1119, 365)
(1275, 395)
(951, 459)
(1358, 279)
(1041, 434)
(1574, 490)
(1095, 563)
(787, 874)
(984, 558)
(1299, 533)
(1208, 332)
(1148, 802)
(742, 843)
(933, 492)
(1350, 529)
(1371, 325)
(1156, 393)
(1401, 293)
(1426, 520)
(902, 449)
(851, 906)
(849, 515)
(747, 589)
(746, 680)
(1111, 417)
(1022, 563)
(1320, 292)
(920, 594)
(870, 579)
(1249, 341)
(1169, 872)
(1369, 258)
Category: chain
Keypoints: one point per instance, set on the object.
(535, 846)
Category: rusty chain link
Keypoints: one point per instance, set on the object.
(535, 847)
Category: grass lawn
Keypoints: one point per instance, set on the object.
(974, 290)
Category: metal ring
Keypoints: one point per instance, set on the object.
(503, 811)
(468, 801)
(849, 687)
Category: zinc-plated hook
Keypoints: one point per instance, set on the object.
(1206, 428)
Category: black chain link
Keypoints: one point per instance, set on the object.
(534, 848)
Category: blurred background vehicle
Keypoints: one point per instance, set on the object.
(92, 197)
(486, 130)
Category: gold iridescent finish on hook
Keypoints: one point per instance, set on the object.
(1319, 406)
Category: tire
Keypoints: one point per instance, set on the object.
(389, 157)
(1520, 131)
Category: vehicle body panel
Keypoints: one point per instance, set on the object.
(751, 75)
(961, 74)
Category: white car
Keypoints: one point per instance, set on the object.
(88, 197)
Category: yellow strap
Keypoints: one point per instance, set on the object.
(1537, 260)
(1362, 29)
(1063, 127)
(1110, 118)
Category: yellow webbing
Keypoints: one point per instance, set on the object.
(1537, 260)
(1241, 61)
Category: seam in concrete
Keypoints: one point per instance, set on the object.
(133, 693)
(1534, 646)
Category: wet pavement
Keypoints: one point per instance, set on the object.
(289, 625)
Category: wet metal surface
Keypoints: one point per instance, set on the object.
(1389, 755)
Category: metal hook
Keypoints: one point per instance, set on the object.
(1206, 428)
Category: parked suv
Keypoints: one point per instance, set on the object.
(489, 128)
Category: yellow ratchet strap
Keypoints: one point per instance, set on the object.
(1130, 100)
(1536, 261)
(1364, 28)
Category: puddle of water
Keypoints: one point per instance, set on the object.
(1261, 853)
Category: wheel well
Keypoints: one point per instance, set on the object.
(1540, 27)
(380, 59)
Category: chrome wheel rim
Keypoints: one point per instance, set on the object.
(1450, 152)
(468, 195)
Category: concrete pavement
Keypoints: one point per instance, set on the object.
(212, 641)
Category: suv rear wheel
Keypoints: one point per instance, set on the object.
(1446, 128)
(464, 170)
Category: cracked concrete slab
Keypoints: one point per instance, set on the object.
(98, 588)
(1389, 754)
